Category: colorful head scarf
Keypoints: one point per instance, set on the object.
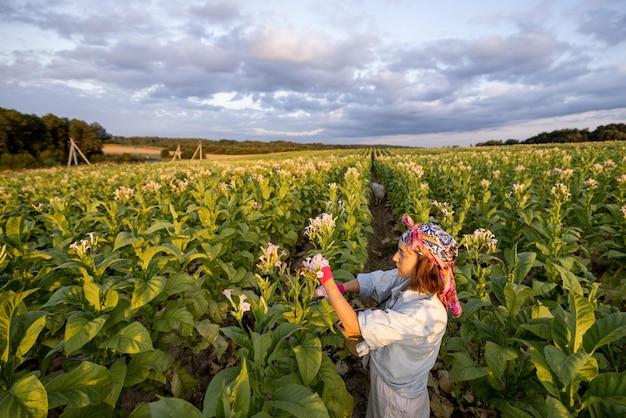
(440, 248)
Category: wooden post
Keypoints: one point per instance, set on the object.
(72, 155)
(177, 153)
(198, 151)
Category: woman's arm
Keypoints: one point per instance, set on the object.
(344, 311)
(352, 286)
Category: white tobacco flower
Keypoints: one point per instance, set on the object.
(560, 190)
(484, 183)
(445, 208)
(482, 240)
(151, 186)
(321, 226)
(591, 183)
(519, 187)
(124, 193)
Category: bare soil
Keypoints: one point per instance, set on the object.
(382, 245)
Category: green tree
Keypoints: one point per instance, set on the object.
(85, 137)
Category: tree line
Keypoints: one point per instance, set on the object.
(611, 132)
(30, 141)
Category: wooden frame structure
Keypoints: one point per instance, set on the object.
(72, 157)
(198, 151)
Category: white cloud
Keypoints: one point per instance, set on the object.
(387, 70)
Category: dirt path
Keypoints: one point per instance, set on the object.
(382, 244)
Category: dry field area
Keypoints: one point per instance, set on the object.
(155, 152)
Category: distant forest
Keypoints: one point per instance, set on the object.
(30, 141)
(611, 132)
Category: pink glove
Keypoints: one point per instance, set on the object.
(320, 291)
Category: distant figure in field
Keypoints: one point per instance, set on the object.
(379, 192)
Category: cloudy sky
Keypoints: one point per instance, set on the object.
(421, 72)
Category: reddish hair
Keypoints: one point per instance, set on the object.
(426, 277)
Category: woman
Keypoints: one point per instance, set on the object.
(402, 340)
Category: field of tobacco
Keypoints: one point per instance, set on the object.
(182, 281)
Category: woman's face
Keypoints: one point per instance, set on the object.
(405, 259)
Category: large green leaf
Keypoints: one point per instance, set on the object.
(26, 398)
(80, 328)
(299, 401)
(132, 339)
(556, 409)
(149, 253)
(464, 368)
(86, 384)
(609, 385)
(261, 344)
(524, 262)
(142, 366)
(174, 318)
(570, 327)
(309, 357)
(239, 336)
(118, 375)
(515, 296)
(123, 239)
(241, 392)
(213, 391)
(25, 331)
(173, 408)
(565, 367)
(8, 305)
(335, 395)
(570, 281)
(72, 295)
(605, 331)
(543, 370)
(497, 358)
(178, 283)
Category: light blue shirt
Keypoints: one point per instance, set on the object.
(402, 340)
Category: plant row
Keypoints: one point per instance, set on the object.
(540, 274)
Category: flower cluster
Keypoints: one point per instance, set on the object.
(352, 175)
(81, 248)
(622, 179)
(445, 208)
(564, 174)
(413, 168)
(321, 228)
(124, 194)
(623, 209)
(591, 183)
(597, 168)
(222, 187)
(482, 240)
(560, 191)
(151, 186)
(315, 263)
(271, 258)
(238, 309)
(179, 186)
(519, 188)
(484, 183)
